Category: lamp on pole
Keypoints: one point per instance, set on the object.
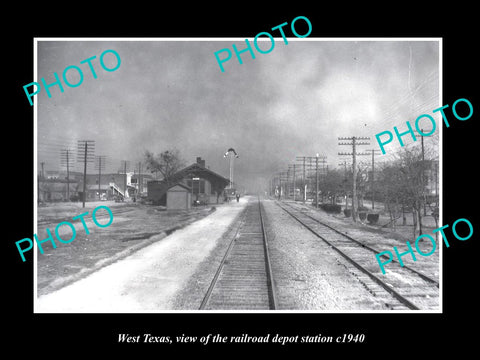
(193, 179)
(231, 154)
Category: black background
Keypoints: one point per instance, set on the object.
(386, 334)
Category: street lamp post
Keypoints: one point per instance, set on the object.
(231, 154)
(193, 179)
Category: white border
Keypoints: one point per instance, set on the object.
(330, 39)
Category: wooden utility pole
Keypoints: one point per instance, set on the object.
(85, 175)
(124, 179)
(100, 165)
(87, 147)
(65, 160)
(422, 180)
(354, 153)
(316, 181)
(304, 183)
(294, 183)
(287, 187)
(345, 182)
(292, 167)
(318, 158)
(139, 177)
(373, 151)
(68, 179)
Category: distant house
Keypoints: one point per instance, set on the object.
(112, 185)
(139, 182)
(206, 186)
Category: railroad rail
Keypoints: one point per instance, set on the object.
(412, 284)
(373, 250)
(244, 278)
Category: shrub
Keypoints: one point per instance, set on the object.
(347, 212)
(372, 218)
(331, 208)
(362, 215)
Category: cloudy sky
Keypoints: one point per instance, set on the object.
(294, 101)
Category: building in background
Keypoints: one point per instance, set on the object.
(116, 185)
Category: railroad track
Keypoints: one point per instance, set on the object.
(244, 278)
(410, 289)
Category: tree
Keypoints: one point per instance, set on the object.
(401, 183)
(330, 185)
(391, 186)
(413, 169)
(167, 163)
(362, 182)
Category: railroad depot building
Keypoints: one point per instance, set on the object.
(202, 184)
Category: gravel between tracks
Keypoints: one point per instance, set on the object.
(308, 274)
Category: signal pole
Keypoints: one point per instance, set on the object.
(354, 144)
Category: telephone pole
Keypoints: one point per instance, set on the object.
(294, 182)
(373, 151)
(354, 153)
(318, 158)
(316, 181)
(282, 176)
(422, 178)
(345, 182)
(292, 167)
(287, 187)
(100, 165)
(87, 147)
(124, 162)
(66, 160)
(139, 178)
